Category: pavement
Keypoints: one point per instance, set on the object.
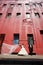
(8, 56)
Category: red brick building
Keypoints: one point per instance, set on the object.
(21, 22)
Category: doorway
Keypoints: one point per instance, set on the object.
(30, 43)
(2, 36)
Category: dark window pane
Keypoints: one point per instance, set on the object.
(30, 39)
(27, 4)
(41, 31)
(34, 4)
(39, 4)
(18, 14)
(8, 15)
(4, 4)
(42, 13)
(11, 4)
(16, 38)
(37, 14)
(0, 14)
(19, 4)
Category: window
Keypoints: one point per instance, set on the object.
(18, 14)
(16, 38)
(34, 4)
(30, 39)
(12, 5)
(4, 5)
(39, 4)
(27, 15)
(8, 15)
(27, 4)
(0, 14)
(37, 14)
(42, 13)
(19, 4)
(41, 32)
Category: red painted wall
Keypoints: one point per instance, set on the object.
(14, 24)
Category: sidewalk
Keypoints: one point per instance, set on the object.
(21, 57)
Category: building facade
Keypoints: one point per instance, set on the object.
(21, 22)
